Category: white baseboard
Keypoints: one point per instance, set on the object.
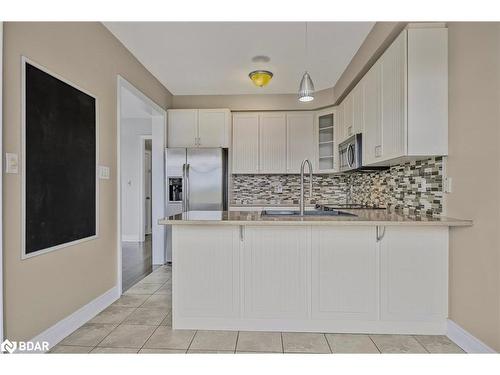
(131, 238)
(64, 327)
(465, 340)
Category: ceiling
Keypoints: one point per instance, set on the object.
(214, 58)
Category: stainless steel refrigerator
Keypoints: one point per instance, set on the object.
(197, 180)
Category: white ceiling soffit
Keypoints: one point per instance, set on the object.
(214, 58)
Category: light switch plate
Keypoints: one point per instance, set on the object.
(103, 172)
(11, 163)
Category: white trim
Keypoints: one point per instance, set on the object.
(1, 187)
(122, 82)
(53, 335)
(131, 238)
(465, 340)
(142, 187)
(25, 60)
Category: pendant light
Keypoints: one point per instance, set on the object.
(306, 88)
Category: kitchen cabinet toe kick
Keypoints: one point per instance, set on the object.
(359, 279)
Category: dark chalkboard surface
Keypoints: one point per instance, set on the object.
(60, 162)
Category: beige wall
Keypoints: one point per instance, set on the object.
(267, 102)
(474, 165)
(42, 290)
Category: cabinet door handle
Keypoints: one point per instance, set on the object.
(242, 233)
(380, 233)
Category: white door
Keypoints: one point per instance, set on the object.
(344, 273)
(276, 272)
(372, 134)
(147, 192)
(213, 127)
(393, 113)
(206, 279)
(272, 141)
(301, 143)
(182, 128)
(414, 274)
(245, 143)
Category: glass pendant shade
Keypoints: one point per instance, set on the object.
(306, 88)
(261, 77)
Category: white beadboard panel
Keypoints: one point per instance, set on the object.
(414, 274)
(272, 130)
(276, 272)
(206, 276)
(428, 91)
(300, 140)
(245, 143)
(393, 65)
(344, 273)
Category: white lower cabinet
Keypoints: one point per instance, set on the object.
(414, 274)
(276, 272)
(311, 278)
(344, 273)
(206, 271)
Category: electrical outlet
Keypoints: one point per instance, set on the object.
(11, 163)
(103, 172)
(447, 185)
(278, 189)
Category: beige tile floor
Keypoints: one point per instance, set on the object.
(140, 322)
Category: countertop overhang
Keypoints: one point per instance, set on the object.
(363, 217)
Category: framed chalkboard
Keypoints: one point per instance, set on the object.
(59, 162)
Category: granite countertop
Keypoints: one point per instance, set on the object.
(364, 217)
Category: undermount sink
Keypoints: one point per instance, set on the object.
(306, 213)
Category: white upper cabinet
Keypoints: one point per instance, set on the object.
(214, 127)
(393, 108)
(299, 140)
(372, 134)
(401, 104)
(326, 134)
(272, 139)
(182, 127)
(273, 142)
(198, 128)
(245, 143)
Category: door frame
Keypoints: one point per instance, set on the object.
(142, 187)
(1, 185)
(159, 120)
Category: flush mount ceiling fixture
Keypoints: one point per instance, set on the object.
(306, 88)
(260, 77)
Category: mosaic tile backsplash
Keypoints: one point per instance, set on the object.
(414, 188)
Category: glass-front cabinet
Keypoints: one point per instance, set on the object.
(326, 124)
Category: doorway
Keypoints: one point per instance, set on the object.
(141, 144)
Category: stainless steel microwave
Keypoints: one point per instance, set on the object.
(350, 154)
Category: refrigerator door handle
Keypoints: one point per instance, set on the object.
(183, 187)
(187, 188)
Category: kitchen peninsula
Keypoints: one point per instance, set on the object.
(375, 272)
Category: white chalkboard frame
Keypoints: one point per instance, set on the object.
(24, 255)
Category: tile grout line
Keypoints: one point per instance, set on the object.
(192, 339)
(152, 333)
(236, 345)
(380, 351)
(419, 343)
(328, 343)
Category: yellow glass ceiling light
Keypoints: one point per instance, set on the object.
(261, 77)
